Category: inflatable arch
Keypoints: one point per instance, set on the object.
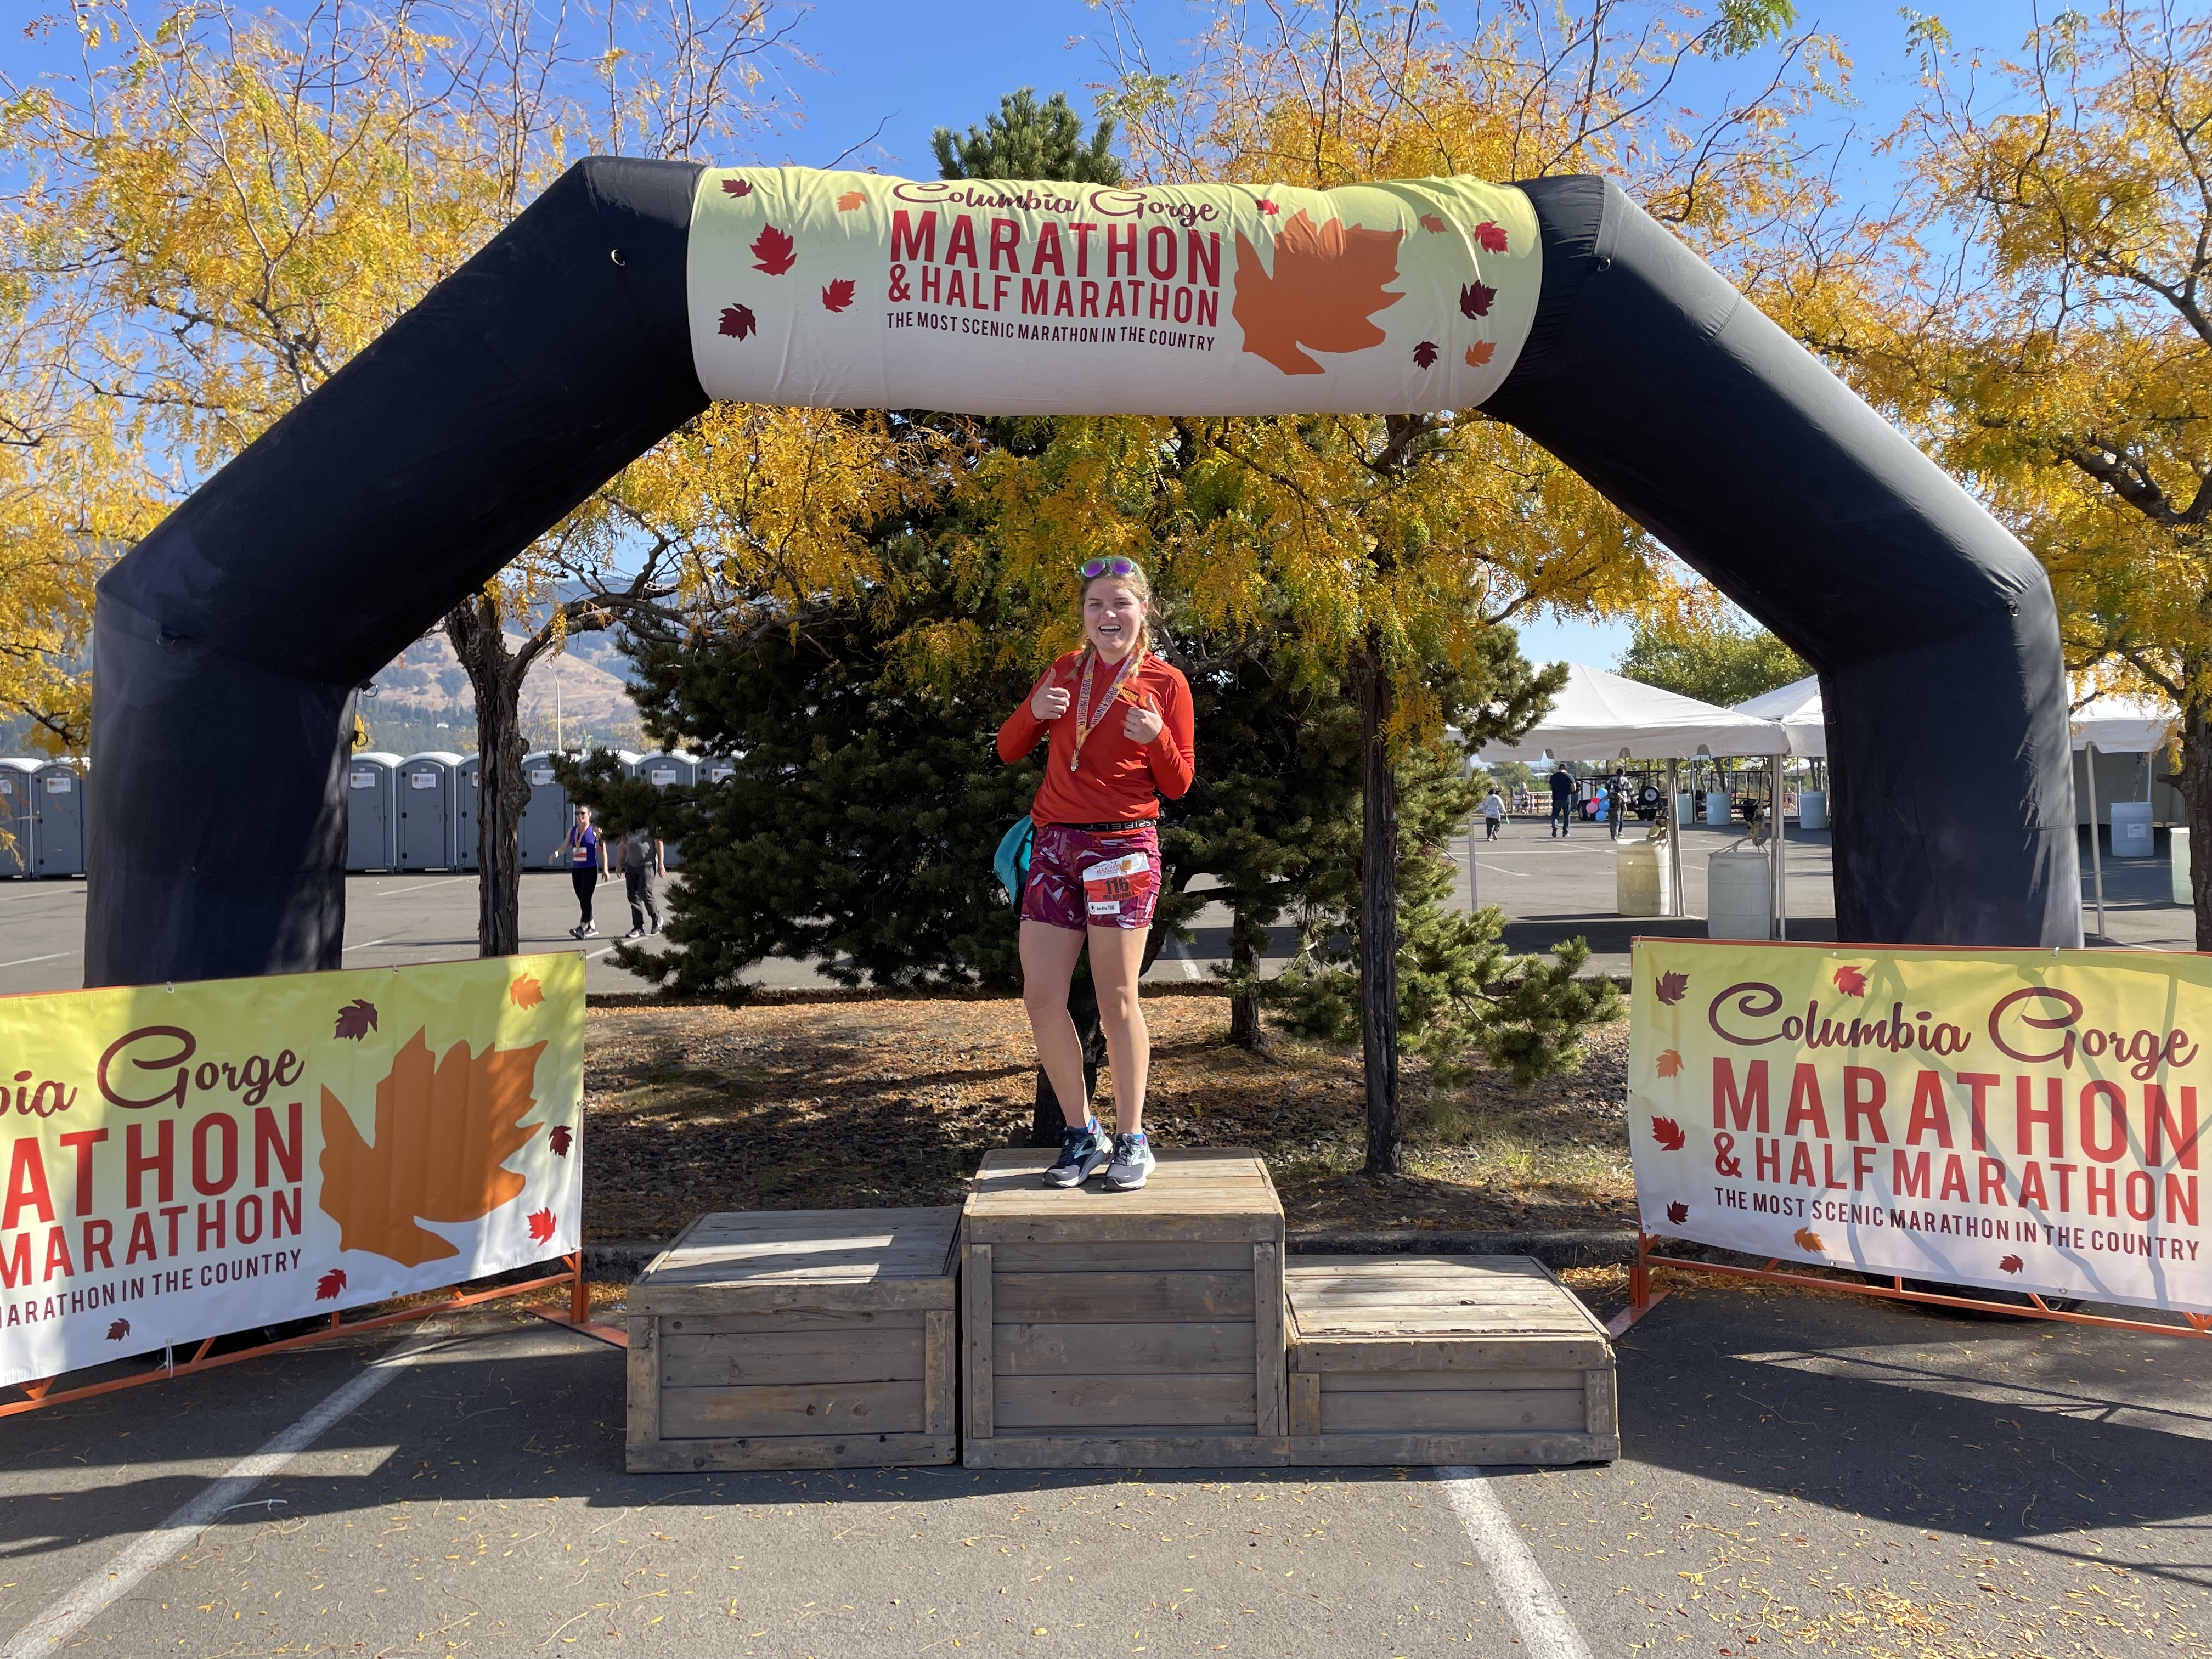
(633, 292)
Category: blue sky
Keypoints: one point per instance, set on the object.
(885, 73)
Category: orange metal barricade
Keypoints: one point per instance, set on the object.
(577, 1315)
(1642, 1299)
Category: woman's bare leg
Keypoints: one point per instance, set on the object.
(1049, 955)
(1117, 959)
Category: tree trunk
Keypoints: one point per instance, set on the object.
(502, 792)
(1245, 939)
(2196, 782)
(1378, 913)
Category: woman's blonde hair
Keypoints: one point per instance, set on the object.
(1138, 583)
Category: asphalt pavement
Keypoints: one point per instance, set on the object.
(1800, 1473)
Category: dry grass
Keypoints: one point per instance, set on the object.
(798, 1106)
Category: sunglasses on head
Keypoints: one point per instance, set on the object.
(1114, 567)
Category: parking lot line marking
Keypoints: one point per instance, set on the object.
(392, 892)
(122, 1575)
(366, 944)
(1546, 1629)
(1182, 955)
(25, 962)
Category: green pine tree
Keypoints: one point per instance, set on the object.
(1029, 140)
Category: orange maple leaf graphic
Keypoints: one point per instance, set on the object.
(1850, 981)
(1327, 280)
(1480, 353)
(1808, 1241)
(851, 199)
(525, 991)
(443, 1126)
(1670, 1063)
(541, 1226)
(1430, 223)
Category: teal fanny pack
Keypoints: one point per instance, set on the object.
(1012, 861)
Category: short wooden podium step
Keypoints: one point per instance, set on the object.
(797, 1339)
(1124, 1330)
(1445, 1360)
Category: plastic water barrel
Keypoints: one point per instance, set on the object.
(1736, 894)
(1641, 880)
(2131, 835)
(1686, 808)
(1812, 809)
(1717, 808)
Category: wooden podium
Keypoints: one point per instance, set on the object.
(1105, 1329)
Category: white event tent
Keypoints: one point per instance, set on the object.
(2115, 725)
(1797, 706)
(1600, 717)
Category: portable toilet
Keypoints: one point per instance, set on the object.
(426, 791)
(373, 811)
(468, 784)
(18, 815)
(58, 832)
(663, 771)
(545, 819)
(715, 769)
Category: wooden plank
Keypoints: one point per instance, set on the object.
(1384, 1450)
(1437, 1411)
(977, 1306)
(1421, 1381)
(796, 1318)
(1162, 1449)
(941, 1387)
(1110, 1258)
(771, 1297)
(1417, 1293)
(1152, 1348)
(641, 1379)
(1530, 1351)
(1603, 1421)
(1272, 1406)
(1516, 1266)
(825, 1223)
(800, 1451)
(847, 1356)
(796, 1409)
(1125, 1227)
(1090, 1403)
(1120, 1299)
(1305, 1403)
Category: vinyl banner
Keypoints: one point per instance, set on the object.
(988, 297)
(2018, 1120)
(188, 1160)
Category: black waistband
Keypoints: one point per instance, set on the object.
(1111, 828)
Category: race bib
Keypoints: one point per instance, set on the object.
(1107, 886)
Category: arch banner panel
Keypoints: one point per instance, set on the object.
(1006, 297)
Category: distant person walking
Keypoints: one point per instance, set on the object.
(644, 861)
(1563, 801)
(586, 852)
(1616, 803)
(1493, 814)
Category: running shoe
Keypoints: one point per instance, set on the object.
(1133, 1163)
(635, 933)
(589, 930)
(1081, 1152)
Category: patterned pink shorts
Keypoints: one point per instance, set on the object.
(1081, 877)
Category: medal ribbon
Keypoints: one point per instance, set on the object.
(1084, 726)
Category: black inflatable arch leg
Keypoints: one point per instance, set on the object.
(1933, 631)
(524, 381)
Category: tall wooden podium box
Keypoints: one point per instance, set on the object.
(1124, 1330)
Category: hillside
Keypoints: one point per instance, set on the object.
(422, 701)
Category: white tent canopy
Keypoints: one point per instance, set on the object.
(1797, 706)
(2123, 726)
(1599, 716)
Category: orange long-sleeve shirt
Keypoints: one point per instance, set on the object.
(1116, 780)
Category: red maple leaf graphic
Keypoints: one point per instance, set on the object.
(1673, 988)
(1490, 236)
(772, 251)
(838, 295)
(2011, 1264)
(1851, 981)
(355, 1020)
(559, 1140)
(1480, 353)
(736, 187)
(1668, 1133)
(1678, 1213)
(1266, 206)
(118, 1329)
(738, 321)
(1669, 1063)
(1327, 280)
(1475, 298)
(328, 1286)
(1425, 355)
(541, 1226)
(1431, 223)
(1808, 1241)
